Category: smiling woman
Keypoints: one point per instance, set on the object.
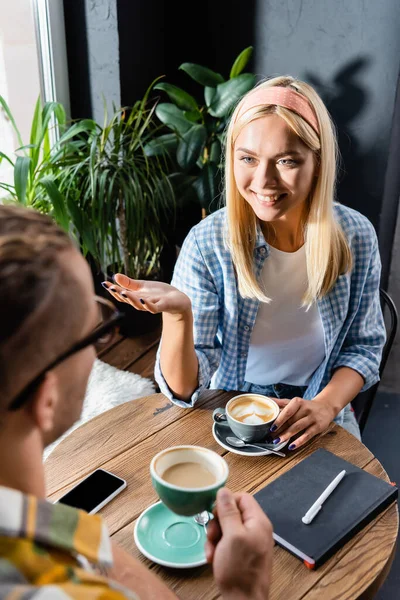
(275, 184)
(278, 292)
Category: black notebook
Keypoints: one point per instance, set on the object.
(357, 500)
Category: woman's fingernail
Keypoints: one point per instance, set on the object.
(105, 286)
(123, 294)
(112, 289)
(113, 277)
(274, 427)
(276, 440)
(292, 447)
(142, 301)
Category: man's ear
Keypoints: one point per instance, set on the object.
(44, 403)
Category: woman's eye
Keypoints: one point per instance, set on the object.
(287, 162)
(248, 160)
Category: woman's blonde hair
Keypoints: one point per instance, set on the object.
(327, 252)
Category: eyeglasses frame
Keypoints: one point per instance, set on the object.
(88, 340)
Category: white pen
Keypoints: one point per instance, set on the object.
(316, 507)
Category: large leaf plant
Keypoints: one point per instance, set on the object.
(196, 128)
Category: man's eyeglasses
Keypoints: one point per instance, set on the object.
(109, 320)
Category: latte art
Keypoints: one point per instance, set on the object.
(253, 412)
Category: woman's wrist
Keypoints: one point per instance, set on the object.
(183, 316)
(341, 390)
(331, 402)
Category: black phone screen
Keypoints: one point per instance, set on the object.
(93, 490)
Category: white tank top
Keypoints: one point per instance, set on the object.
(287, 342)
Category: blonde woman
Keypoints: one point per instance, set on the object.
(278, 292)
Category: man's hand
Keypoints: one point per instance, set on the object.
(309, 417)
(239, 546)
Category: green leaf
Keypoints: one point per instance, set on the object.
(181, 98)
(241, 62)
(206, 185)
(183, 188)
(209, 95)
(11, 118)
(192, 115)
(84, 126)
(215, 152)
(84, 227)
(59, 209)
(229, 93)
(11, 191)
(164, 144)
(21, 174)
(191, 146)
(61, 117)
(36, 127)
(173, 117)
(7, 158)
(201, 74)
(55, 110)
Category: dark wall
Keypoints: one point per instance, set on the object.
(350, 51)
(155, 37)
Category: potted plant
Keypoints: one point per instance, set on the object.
(34, 170)
(99, 184)
(120, 200)
(196, 129)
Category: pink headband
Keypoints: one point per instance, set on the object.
(281, 96)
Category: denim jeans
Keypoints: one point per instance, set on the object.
(345, 418)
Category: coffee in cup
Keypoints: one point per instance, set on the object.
(189, 475)
(247, 409)
(187, 478)
(250, 416)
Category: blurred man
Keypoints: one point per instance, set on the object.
(51, 325)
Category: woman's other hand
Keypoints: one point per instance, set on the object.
(299, 416)
(152, 296)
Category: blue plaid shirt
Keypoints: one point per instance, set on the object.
(351, 314)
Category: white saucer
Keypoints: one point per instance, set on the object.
(220, 432)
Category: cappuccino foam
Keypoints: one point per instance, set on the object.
(253, 412)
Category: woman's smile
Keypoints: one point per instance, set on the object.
(269, 199)
(274, 169)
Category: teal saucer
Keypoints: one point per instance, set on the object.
(169, 539)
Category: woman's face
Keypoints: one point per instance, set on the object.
(274, 169)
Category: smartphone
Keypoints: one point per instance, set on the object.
(94, 492)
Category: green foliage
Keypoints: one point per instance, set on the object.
(119, 199)
(34, 166)
(196, 136)
(98, 183)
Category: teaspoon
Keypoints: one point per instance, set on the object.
(202, 518)
(238, 443)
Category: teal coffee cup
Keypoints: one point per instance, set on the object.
(187, 478)
(249, 416)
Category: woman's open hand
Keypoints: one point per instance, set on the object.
(153, 296)
(308, 417)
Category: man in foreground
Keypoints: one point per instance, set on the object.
(51, 324)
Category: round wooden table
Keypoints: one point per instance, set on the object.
(124, 439)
